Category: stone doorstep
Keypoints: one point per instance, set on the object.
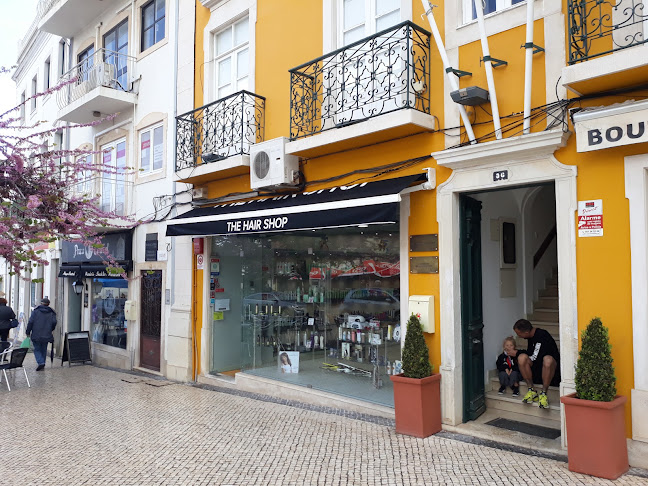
(510, 404)
(549, 291)
(549, 302)
(544, 315)
(553, 394)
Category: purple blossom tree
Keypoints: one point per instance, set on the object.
(45, 194)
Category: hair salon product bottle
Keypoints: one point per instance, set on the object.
(340, 333)
(322, 341)
(353, 336)
(389, 369)
(299, 294)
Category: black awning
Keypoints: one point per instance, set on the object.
(365, 203)
(69, 271)
(92, 270)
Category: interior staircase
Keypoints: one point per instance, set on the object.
(545, 316)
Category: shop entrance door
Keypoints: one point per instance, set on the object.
(151, 319)
(74, 309)
(472, 319)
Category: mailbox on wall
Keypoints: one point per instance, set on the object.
(423, 306)
(130, 310)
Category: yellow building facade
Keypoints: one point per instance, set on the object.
(374, 198)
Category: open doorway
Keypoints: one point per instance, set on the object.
(509, 270)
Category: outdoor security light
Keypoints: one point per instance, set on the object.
(78, 287)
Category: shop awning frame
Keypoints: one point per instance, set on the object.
(91, 270)
(341, 206)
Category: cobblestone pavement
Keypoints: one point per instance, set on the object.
(92, 426)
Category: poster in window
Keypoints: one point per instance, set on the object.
(288, 361)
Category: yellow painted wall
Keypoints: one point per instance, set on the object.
(603, 264)
(508, 80)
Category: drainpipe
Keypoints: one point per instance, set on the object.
(528, 68)
(427, 6)
(489, 68)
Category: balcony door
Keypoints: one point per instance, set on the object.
(116, 55)
(366, 74)
(113, 179)
(228, 124)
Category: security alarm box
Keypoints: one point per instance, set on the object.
(130, 310)
(471, 96)
(423, 306)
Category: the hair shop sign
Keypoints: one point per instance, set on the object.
(118, 245)
(614, 126)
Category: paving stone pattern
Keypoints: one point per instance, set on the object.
(92, 426)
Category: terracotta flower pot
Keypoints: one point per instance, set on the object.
(418, 405)
(596, 441)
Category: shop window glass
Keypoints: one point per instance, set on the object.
(306, 307)
(108, 321)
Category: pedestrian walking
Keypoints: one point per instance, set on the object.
(7, 318)
(42, 323)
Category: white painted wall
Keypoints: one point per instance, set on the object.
(500, 313)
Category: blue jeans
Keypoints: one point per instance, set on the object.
(40, 351)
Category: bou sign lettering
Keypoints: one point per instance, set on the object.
(601, 132)
(257, 224)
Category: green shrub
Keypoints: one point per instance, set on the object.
(416, 356)
(595, 378)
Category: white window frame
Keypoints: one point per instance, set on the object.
(34, 86)
(47, 74)
(332, 14)
(222, 15)
(150, 129)
(370, 18)
(112, 176)
(500, 5)
(232, 54)
(84, 178)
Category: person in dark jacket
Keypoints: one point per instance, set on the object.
(509, 373)
(39, 328)
(6, 316)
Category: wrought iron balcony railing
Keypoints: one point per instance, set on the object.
(598, 27)
(385, 72)
(104, 68)
(220, 129)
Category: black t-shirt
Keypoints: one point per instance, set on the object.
(541, 344)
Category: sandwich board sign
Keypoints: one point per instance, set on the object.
(76, 348)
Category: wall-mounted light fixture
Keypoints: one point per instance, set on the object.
(77, 286)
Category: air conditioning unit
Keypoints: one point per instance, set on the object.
(270, 166)
(106, 74)
(199, 192)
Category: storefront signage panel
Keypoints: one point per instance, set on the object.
(611, 129)
(352, 216)
(119, 246)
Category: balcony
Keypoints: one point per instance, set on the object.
(607, 45)
(373, 90)
(213, 142)
(67, 17)
(100, 85)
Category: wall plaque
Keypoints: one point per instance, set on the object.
(425, 264)
(424, 242)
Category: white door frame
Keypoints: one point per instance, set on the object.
(636, 191)
(529, 160)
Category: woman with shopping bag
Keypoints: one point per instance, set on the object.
(7, 319)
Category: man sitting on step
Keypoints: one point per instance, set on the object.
(540, 363)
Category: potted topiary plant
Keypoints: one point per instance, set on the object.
(595, 415)
(417, 393)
